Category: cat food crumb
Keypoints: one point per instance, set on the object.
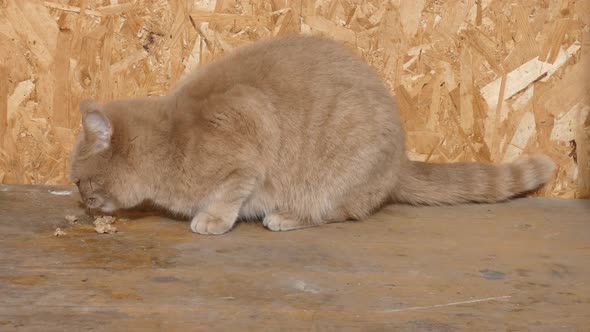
(59, 232)
(71, 219)
(104, 225)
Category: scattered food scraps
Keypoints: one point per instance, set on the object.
(104, 225)
(71, 219)
(59, 232)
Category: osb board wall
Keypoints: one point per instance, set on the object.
(475, 79)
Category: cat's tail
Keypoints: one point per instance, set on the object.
(437, 184)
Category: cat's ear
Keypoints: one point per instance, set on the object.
(97, 127)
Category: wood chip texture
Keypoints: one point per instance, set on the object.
(486, 80)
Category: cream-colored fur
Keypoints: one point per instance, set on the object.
(295, 130)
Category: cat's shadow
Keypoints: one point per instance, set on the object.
(143, 210)
(148, 209)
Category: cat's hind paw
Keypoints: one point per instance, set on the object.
(204, 223)
(282, 222)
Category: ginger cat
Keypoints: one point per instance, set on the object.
(295, 130)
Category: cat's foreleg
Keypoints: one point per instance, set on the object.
(221, 210)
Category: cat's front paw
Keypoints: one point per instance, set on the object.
(204, 223)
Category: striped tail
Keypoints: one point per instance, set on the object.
(437, 184)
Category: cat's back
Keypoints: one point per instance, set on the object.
(290, 63)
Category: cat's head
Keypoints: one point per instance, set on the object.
(94, 166)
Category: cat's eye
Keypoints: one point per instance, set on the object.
(78, 183)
